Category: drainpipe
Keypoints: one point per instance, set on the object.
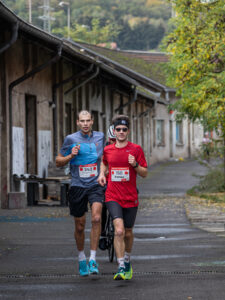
(11, 86)
(167, 96)
(134, 98)
(74, 88)
(54, 99)
(154, 109)
(14, 36)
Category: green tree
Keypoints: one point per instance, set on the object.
(197, 64)
(115, 15)
(93, 35)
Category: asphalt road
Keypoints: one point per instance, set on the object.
(172, 178)
(171, 259)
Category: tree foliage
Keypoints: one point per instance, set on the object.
(132, 24)
(197, 65)
(92, 35)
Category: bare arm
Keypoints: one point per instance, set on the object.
(63, 160)
(143, 172)
(103, 171)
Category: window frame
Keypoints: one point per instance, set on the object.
(160, 141)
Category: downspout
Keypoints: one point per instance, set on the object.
(14, 36)
(54, 100)
(74, 88)
(154, 109)
(134, 98)
(11, 86)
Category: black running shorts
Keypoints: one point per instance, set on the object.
(127, 214)
(79, 197)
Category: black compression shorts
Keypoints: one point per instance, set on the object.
(79, 197)
(127, 214)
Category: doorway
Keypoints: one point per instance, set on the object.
(95, 126)
(68, 119)
(31, 134)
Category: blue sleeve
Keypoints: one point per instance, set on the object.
(67, 146)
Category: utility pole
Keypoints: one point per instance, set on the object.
(46, 16)
(62, 4)
(30, 10)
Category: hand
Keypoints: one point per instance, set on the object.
(75, 151)
(102, 180)
(132, 160)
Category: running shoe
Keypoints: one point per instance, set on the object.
(83, 268)
(120, 275)
(93, 267)
(128, 271)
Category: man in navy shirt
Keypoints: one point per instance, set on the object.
(83, 150)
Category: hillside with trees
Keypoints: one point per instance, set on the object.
(131, 24)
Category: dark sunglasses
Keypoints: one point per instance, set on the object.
(121, 129)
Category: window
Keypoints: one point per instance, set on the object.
(179, 133)
(160, 132)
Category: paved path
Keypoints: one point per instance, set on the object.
(170, 178)
(172, 259)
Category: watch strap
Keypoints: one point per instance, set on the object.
(137, 164)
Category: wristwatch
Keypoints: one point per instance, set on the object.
(137, 164)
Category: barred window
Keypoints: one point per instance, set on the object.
(179, 133)
(160, 132)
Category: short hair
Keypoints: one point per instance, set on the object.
(84, 112)
(117, 120)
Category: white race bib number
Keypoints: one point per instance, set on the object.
(120, 174)
(88, 171)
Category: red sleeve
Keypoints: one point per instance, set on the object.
(140, 158)
(105, 162)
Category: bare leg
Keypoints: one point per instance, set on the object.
(96, 211)
(79, 232)
(129, 238)
(119, 237)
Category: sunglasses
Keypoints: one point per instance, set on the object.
(121, 129)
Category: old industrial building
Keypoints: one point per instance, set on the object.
(45, 81)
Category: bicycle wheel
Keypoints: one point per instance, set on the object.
(110, 238)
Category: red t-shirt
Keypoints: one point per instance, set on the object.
(121, 185)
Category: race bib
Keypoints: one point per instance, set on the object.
(88, 171)
(120, 174)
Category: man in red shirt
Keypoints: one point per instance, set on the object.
(123, 160)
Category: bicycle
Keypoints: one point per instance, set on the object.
(106, 242)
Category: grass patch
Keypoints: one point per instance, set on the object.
(212, 182)
(211, 186)
(217, 198)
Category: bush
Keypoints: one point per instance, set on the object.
(212, 182)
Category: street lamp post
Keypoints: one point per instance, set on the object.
(62, 4)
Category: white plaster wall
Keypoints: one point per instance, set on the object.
(161, 153)
(44, 151)
(18, 153)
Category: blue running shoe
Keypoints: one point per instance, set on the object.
(128, 271)
(93, 267)
(83, 268)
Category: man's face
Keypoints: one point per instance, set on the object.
(85, 123)
(121, 132)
